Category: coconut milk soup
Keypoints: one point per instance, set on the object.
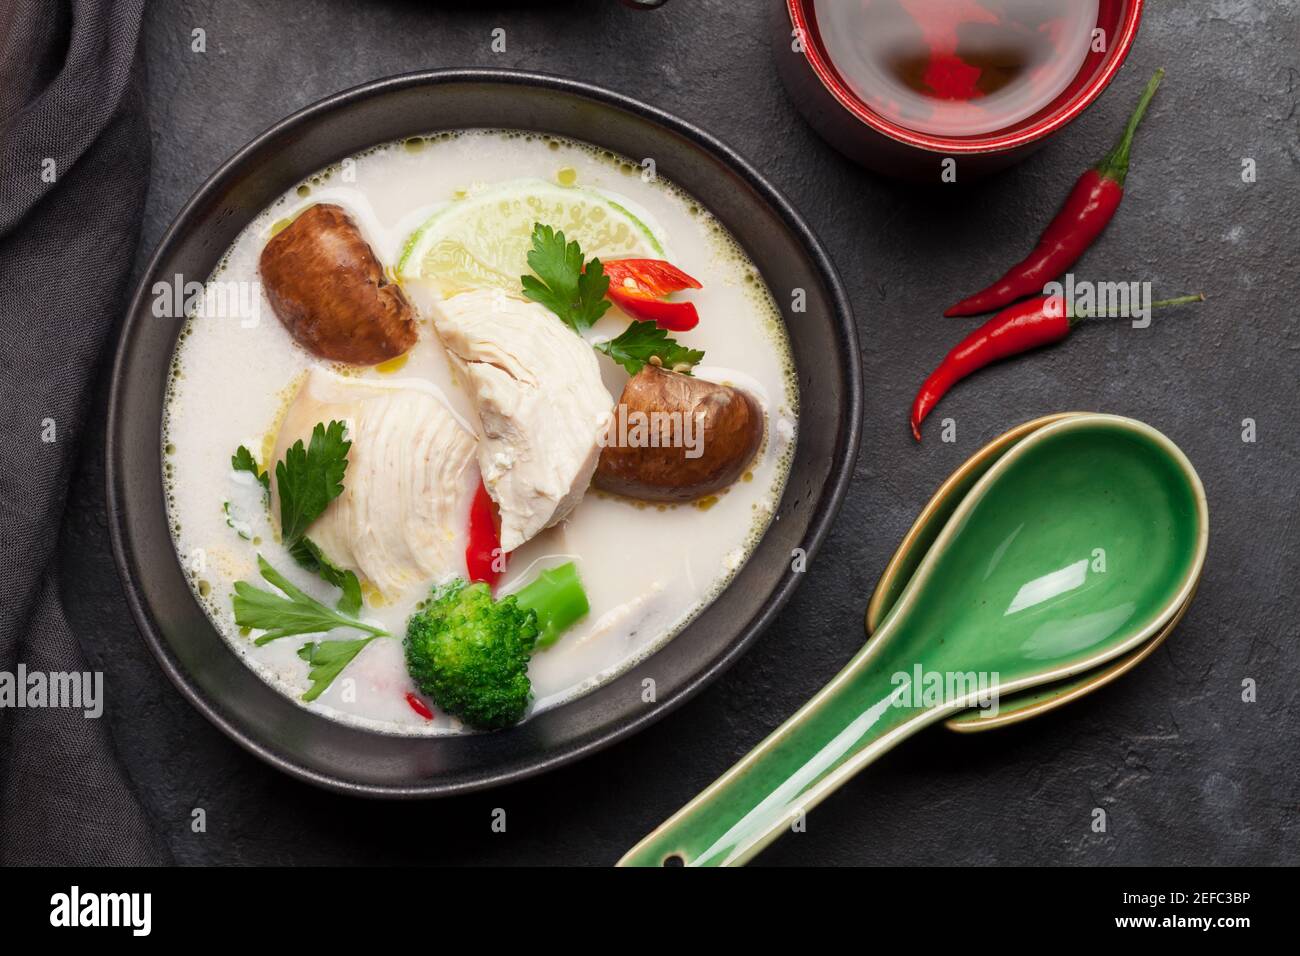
(576, 435)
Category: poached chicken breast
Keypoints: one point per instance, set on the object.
(402, 516)
(541, 404)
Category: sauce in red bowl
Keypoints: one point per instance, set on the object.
(901, 85)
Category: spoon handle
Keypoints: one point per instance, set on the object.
(863, 712)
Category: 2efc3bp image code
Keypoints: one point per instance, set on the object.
(1181, 909)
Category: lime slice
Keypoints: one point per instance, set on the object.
(483, 241)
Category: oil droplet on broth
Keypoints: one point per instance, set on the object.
(393, 364)
(375, 598)
(566, 175)
(268, 445)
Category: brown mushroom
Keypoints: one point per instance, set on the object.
(675, 437)
(328, 288)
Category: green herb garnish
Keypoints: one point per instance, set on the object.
(327, 660)
(564, 284)
(243, 460)
(642, 341)
(308, 479)
(309, 555)
(575, 291)
(296, 612)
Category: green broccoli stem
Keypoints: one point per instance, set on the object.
(558, 599)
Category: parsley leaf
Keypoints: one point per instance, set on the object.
(641, 341)
(309, 555)
(562, 284)
(242, 460)
(577, 295)
(327, 660)
(296, 612)
(308, 479)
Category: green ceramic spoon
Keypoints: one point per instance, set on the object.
(1015, 707)
(1012, 594)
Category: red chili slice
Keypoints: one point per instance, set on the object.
(484, 559)
(653, 277)
(638, 287)
(419, 706)
(673, 316)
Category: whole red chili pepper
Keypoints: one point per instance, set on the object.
(1087, 211)
(638, 287)
(484, 559)
(1019, 328)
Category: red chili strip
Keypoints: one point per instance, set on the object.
(1024, 326)
(639, 286)
(484, 559)
(419, 706)
(1090, 207)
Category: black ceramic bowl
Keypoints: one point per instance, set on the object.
(358, 761)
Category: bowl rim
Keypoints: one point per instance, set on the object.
(966, 145)
(842, 463)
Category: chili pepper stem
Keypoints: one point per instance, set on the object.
(1115, 164)
(1077, 317)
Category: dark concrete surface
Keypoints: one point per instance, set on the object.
(1185, 770)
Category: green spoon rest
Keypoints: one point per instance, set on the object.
(1076, 546)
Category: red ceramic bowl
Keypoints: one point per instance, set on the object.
(880, 144)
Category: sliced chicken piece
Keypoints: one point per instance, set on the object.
(541, 405)
(401, 519)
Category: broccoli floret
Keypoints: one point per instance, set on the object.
(470, 654)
